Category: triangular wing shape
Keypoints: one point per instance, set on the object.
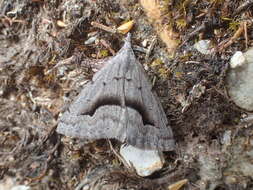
(119, 103)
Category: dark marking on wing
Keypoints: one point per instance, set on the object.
(116, 101)
(102, 102)
(141, 109)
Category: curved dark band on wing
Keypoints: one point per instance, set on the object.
(142, 111)
(116, 101)
(102, 102)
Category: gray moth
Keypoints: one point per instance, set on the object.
(119, 103)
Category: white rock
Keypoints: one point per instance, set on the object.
(145, 162)
(237, 59)
(203, 46)
(91, 40)
(144, 43)
(239, 82)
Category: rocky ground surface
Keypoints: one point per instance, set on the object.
(50, 48)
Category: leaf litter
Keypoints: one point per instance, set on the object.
(44, 62)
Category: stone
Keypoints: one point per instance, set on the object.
(203, 46)
(237, 59)
(145, 162)
(239, 80)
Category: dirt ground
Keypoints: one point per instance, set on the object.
(49, 49)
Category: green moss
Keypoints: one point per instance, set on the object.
(181, 23)
(157, 63)
(234, 25)
(185, 57)
(103, 53)
(163, 72)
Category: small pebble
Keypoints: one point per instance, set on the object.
(91, 40)
(145, 162)
(203, 46)
(144, 43)
(237, 59)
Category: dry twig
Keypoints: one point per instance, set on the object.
(243, 7)
(223, 45)
(103, 27)
(108, 46)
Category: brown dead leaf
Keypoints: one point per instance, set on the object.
(178, 185)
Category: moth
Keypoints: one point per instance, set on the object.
(119, 103)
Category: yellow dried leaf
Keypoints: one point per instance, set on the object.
(178, 184)
(126, 27)
(226, 18)
(61, 24)
(169, 38)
